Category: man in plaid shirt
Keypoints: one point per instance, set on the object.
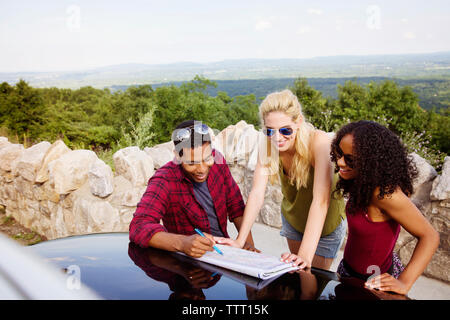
(195, 190)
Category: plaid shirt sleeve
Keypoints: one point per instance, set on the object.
(149, 212)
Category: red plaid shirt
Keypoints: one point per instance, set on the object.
(170, 197)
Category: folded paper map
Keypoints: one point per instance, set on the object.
(254, 264)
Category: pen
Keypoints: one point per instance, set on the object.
(215, 248)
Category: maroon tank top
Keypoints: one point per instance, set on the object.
(370, 243)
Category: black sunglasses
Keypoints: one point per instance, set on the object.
(349, 161)
(185, 133)
(285, 131)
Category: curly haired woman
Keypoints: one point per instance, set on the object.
(376, 175)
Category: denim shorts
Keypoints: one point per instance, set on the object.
(327, 247)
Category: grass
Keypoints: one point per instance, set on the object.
(10, 227)
(7, 221)
(29, 237)
(107, 157)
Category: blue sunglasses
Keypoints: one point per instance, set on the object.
(284, 131)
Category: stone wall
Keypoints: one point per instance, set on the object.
(432, 197)
(59, 192)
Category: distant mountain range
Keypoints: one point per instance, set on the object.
(429, 65)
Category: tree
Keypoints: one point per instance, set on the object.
(352, 101)
(399, 105)
(141, 134)
(241, 108)
(323, 114)
(5, 92)
(23, 110)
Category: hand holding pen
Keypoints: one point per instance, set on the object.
(197, 245)
(215, 248)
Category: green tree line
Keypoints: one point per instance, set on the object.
(141, 115)
(433, 93)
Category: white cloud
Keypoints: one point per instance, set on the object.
(409, 35)
(314, 11)
(263, 25)
(404, 20)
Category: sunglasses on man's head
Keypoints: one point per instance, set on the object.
(285, 131)
(185, 133)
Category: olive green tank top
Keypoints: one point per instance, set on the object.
(295, 204)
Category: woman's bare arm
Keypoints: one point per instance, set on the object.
(254, 203)
(400, 208)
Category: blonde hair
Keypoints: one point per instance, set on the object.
(285, 101)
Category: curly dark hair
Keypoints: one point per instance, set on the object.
(380, 159)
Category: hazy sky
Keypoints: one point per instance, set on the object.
(74, 35)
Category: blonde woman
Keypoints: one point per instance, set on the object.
(298, 157)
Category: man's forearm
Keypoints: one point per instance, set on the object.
(166, 241)
(143, 227)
